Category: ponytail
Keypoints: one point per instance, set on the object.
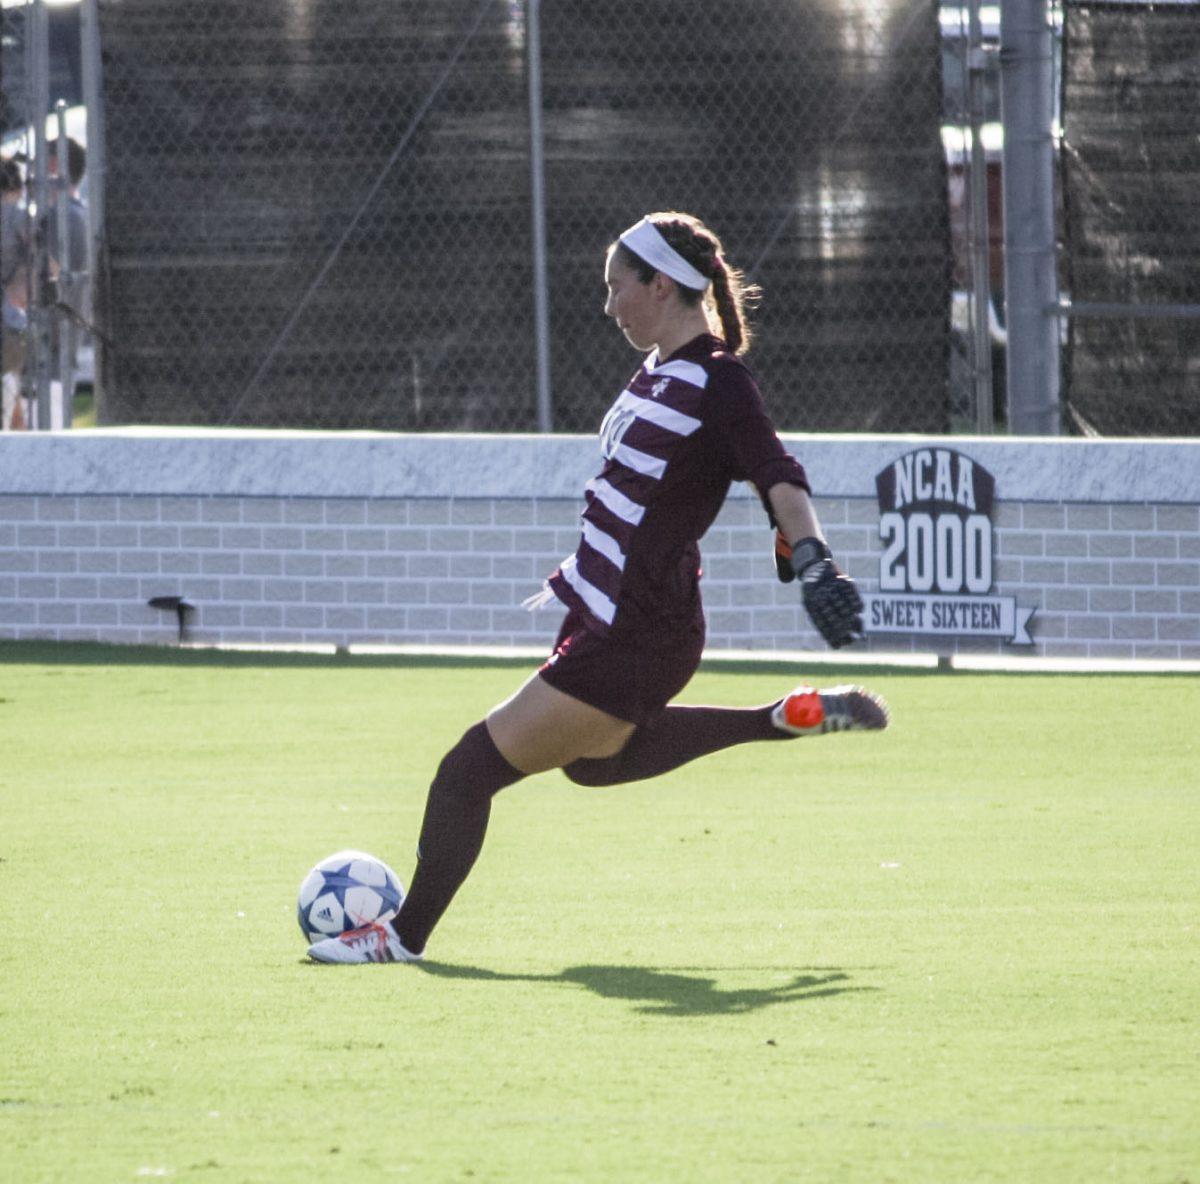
(730, 295)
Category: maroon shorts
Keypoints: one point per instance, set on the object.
(632, 681)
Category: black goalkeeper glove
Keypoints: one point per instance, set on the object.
(830, 597)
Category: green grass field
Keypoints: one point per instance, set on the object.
(963, 950)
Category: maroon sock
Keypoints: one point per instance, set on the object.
(674, 737)
(456, 819)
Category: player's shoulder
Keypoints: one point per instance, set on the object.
(729, 376)
(721, 360)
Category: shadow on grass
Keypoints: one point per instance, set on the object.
(662, 992)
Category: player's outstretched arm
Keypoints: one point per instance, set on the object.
(830, 597)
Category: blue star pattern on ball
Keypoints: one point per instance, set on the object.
(340, 880)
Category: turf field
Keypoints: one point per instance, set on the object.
(963, 950)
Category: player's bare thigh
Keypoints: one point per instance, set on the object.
(542, 728)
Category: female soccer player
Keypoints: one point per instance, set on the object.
(690, 422)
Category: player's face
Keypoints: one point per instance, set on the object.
(631, 304)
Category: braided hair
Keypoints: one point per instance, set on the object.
(728, 295)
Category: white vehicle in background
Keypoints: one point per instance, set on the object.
(957, 143)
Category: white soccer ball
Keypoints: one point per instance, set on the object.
(344, 891)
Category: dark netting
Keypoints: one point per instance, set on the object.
(290, 242)
(807, 135)
(319, 210)
(1131, 166)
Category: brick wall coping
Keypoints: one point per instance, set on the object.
(262, 463)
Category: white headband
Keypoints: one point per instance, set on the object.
(645, 240)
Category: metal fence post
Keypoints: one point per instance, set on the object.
(537, 169)
(1030, 275)
(979, 234)
(64, 325)
(38, 49)
(97, 171)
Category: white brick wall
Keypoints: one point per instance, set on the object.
(292, 538)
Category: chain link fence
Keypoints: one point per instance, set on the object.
(324, 213)
(808, 136)
(1131, 167)
(317, 215)
(320, 212)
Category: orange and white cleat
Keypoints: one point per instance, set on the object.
(809, 712)
(377, 942)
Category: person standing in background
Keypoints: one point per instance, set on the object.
(74, 289)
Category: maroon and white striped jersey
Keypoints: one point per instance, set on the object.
(677, 436)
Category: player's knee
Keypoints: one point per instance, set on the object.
(474, 769)
(595, 773)
(453, 779)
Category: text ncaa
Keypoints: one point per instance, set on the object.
(936, 570)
